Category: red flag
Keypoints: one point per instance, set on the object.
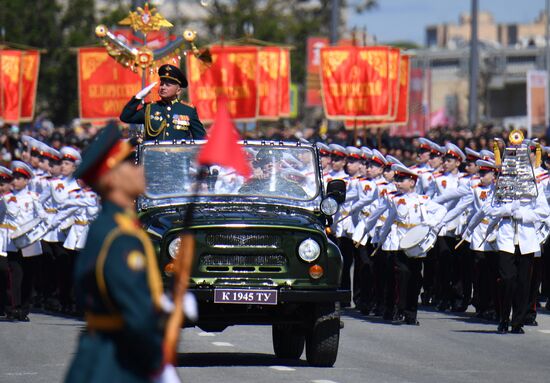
(222, 147)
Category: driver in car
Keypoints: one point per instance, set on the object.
(268, 177)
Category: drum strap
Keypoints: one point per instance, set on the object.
(423, 211)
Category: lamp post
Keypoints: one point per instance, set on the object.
(474, 68)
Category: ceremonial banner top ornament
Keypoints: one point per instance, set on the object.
(146, 20)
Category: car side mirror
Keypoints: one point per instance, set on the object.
(337, 190)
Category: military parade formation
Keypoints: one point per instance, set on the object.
(443, 232)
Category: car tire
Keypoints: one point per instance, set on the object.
(323, 337)
(288, 341)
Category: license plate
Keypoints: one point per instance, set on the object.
(254, 297)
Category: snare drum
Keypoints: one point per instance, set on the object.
(29, 233)
(418, 241)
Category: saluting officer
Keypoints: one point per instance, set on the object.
(169, 118)
(117, 280)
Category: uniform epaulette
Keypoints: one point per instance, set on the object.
(437, 174)
(381, 183)
(425, 197)
(475, 186)
(187, 104)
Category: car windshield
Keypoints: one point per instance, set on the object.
(287, 172)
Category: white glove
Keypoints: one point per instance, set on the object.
(168, 375)
(190, 306)
(145, 91)
(517, 214)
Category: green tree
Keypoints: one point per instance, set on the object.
(288, 22)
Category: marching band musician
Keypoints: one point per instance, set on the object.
(324, 156)
(448, 265)
(408, 209)
(483, 250)
(59, 261)
(542, 179)
(516, 243)
(22, 205)
(5, 188)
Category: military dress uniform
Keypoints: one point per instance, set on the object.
(22, 206)
(517, 244)
(117, 284)
(165, 120)
(5, 178)
(407, 211)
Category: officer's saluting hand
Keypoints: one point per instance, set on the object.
(169, 118)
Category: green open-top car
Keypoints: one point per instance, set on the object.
(262, 255)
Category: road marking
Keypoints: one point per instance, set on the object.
(545, 331)
(20, 373)
(322, 381)
(282, 368)
(206, 334)
(222, 344)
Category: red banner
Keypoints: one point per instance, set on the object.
(313, 85)
(356, 83)
(10, 77)
(233, 72)
(284, 83)
(29, 78)
(269, 60)
(104, 85)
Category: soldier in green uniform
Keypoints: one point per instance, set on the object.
(117, 280)
(169, 118)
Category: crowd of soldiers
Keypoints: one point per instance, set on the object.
(44, 219)
(486, 254)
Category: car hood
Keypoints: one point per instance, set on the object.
(158, 221)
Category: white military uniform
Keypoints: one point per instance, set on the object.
(84, 208)
(21, 207)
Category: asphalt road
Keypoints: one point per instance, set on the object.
(444, 348)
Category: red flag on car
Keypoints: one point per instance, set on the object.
(222, 147)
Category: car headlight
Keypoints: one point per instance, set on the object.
(309, 250)
(173, 247)
(329, 206)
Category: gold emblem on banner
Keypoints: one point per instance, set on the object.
(29, 66)
(269, 62)
(10, 67)
(246, 62)
(284, 59)
(333, 60)
(377, 60)
(91, 61)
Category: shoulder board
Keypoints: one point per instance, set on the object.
(425, 197)
(437, 174)
(187, 104)
(476, 186)
(475, 177)
(413, 167)
(381, 183)
(542, 176)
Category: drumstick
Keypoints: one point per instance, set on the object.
(376, 250)
(460, 243)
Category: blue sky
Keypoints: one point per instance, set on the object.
(406, 19)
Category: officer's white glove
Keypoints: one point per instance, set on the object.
(190, 306)
(517, 214)
(145, 91)
(168, 375)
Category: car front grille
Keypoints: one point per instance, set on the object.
(239, 263)
(244, 241)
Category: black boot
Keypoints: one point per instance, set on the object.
(503, 327)
(517, 330)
